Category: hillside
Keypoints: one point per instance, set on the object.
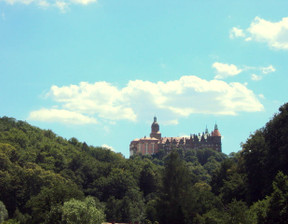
(45, 178)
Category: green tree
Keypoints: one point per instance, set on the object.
(47, 202)
(133, 206)
(113, 209)
(254, 163)
(264, 154)
(212, 165)
(130, 208)
(151, 209)
(276, 132)
(204, 199)
(148, 179)
(238, 213)
(11, 221)
(258, 211)
(82, 212)
(235, 212)
(277, 211)
(3, 212)
(118, 182)
(176, 200)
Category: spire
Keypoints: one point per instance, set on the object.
(155, 119)
(216, 127)
(206, 130)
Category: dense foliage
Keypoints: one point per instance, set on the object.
(47, 179)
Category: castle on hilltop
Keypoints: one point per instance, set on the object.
(151, 145)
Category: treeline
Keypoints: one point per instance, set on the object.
(47, 179)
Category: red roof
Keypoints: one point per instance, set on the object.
(216, 133)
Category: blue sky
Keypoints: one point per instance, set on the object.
(100, 70)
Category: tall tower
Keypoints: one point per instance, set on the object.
(216, 136)
(155, 133)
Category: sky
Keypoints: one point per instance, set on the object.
(100, 70)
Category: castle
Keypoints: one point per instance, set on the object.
(151, 145)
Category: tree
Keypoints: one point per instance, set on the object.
(130, 208)
(133, 206)
(151, 209)
(45, 205)
(82, 212)
(258, 211)
(3, 212)
(118, 182)
(11, 221)
(148, 179)
(235, 212)
(277, 211)
(176, 200)
(276, 132)
(264, 154)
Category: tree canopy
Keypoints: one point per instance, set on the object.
(45, 178)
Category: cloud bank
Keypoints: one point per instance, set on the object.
(91, 102)
(263, 70)
(61, 116)
(225, 70)
(275, 34)
(62, 5)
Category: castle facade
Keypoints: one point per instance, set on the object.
(151, 145)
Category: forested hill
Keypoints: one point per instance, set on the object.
(45, 178)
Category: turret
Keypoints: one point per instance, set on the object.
(155, 133)
(216, 136)
(206, 131)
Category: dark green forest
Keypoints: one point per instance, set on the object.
(45, 178)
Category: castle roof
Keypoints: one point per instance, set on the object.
(216, 131)
(171, 139)
(145, 139)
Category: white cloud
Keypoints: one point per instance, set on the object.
(61, 116)
(108, 147)
(83, 2)
(263, 70)
(100, 98)
(236, 32)
(62, 5)
(171, 122)
(275, 34)
(44, 4)
(267, 70)
(255, 77)
(139, 99)
(225, 70)
(261, 96)
(25, 2)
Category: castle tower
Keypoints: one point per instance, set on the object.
(155, 133)
(216, 131)
(216, 136)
